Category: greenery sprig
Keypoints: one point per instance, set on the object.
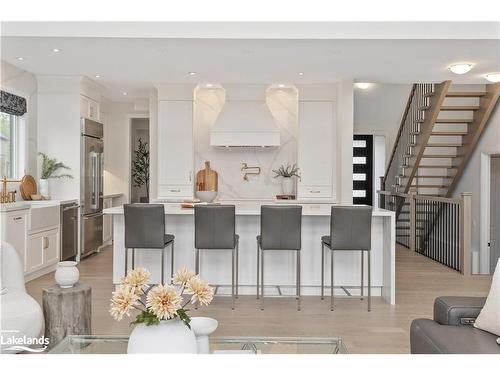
(287, 171)
(51, 166)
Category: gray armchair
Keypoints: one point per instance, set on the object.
(451, 331)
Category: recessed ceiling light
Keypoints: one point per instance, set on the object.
(125, 93)
(56, 50)
(460, 68)
(493, 77)
(281, 85)
(192, 73)
(301, 73)
(97, 76)
(209, 85)
(362, 85)
(20, 58)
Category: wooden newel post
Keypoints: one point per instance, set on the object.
(413, 219)
(465, 234)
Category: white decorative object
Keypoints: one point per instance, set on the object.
(489, 317)
(287, 185)
(43, 187)
(21, 316)
(67, 274)
(202, 328)
(206, 196)
(169, 336)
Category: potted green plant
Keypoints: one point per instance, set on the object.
(140, 168)
(50, 166)
(287, 173)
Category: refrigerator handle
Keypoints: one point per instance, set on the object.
(100, 192)
(95, 182)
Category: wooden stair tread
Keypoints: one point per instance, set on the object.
(433, 156)
(438, 166)
(453, 121)
(448, 133)
(430, 176)
(443, 145)
(429, 186)
(465, 94)
(459, 108)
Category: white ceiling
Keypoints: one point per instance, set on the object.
(134, 65)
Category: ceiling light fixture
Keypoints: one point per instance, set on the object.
(493, 77)
(281, 85)
(209, 85)
(362, 85)
(20, 58)
(192, 73)
(125, 93)
(56, 50)
(97, 76)
(460, 68)
(301, 73)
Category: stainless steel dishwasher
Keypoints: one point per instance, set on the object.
(69, 231)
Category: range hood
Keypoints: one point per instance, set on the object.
(245, 123)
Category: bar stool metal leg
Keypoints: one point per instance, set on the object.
(172, 261)
(237, 267)
(298, 280)
(262, 280)
(369, 283)
(232, 278)
(133, 258)
(126, 261)
(322, 271)
(163, 266)
(362, 273)
(331, 280)
(197, 269)
(258, 269)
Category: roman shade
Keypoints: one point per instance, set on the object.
(12, 104)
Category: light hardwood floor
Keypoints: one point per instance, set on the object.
(383, 330)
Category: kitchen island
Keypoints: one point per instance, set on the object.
(280, 266)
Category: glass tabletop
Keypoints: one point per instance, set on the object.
(218, 345)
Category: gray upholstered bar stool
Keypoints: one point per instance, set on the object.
(350, 230)
(214, 229)
(145, 229)
(280, 229)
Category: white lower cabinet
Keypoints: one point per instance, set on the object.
(43, 250)
(14, 230)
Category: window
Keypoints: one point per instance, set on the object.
(10, 155)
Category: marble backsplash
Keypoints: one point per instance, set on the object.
(227, 161)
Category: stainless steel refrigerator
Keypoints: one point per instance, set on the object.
(91, 188)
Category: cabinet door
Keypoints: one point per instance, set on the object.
(34, 253)
(50, 246)
(84, 107)
(15, 230)
(93, 111)
(316, 144)
(107, 233)
(175, 143)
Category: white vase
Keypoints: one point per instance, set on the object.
(170, 336)
(287, 185)
(67, 274)
(202, 328)
(43, 187)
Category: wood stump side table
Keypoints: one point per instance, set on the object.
(67, 311)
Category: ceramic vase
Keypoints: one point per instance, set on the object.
(202, 328)
(67, 274)
(170, 336)
(287, 185)
(43, 187)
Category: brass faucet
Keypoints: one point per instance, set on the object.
(7, 196)
(245, 167)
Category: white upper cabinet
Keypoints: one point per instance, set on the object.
(175, 149)
(89, 108)
(316, 150)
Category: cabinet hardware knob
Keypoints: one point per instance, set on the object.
(45, 242)
(175, 190)
(17, 218)
(315, 191)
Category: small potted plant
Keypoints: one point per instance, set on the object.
(49, 168)
(287, 173)
(163, 323)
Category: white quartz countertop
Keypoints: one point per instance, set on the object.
(250, 209)
(25, 205)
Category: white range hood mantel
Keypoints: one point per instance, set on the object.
(245, 123)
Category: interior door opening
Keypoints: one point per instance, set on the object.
(494, 212)
(139, 157)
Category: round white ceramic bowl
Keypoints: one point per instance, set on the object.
(206, 196)
(67, 274)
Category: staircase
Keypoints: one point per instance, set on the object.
(438, 133)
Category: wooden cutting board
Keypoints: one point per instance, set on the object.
(27, 187)
(207, 179)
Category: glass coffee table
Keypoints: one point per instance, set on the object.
(218, 345)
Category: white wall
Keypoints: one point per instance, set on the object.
(23, 83)
(378, 110)
(117, 146)
(489, 143)
(345, 131)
